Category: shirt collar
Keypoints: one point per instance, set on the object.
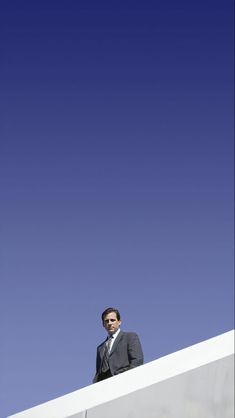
(115, 334)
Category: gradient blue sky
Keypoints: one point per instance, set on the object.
(116, 168)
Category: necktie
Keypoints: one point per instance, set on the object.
(105, 363)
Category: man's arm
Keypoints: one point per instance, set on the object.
(135, 352)
(95, 379)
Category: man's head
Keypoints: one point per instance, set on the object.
(111, 320)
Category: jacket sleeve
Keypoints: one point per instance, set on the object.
(135, 352)
(98, 361)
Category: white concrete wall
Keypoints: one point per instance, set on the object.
(196, 382)
(204, 392)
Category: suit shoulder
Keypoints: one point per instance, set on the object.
(100, 345)
(130, 334)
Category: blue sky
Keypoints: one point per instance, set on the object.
(116, 168)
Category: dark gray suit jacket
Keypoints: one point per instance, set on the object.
(126, 354)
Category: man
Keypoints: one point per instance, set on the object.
(121, 351)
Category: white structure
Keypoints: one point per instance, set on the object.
(196, 382)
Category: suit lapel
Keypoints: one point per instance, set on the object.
(102, 349)
(116, 342)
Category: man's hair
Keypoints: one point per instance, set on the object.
(109, 310)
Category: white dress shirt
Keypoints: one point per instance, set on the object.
(114, 336)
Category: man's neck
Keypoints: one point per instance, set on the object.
(114, 334)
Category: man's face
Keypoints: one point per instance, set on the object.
(111, 323)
